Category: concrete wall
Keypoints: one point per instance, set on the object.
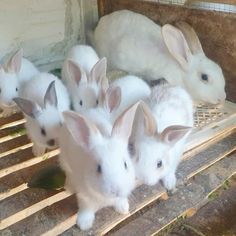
(45, 29)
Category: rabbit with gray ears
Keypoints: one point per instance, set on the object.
(159, 134)
(151, 51)
(42, 101)
(97, 164)
(84, 73)
(13, 76)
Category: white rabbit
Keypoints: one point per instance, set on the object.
(160, 133)
(43, 100)
(13, 75)
(146, 49)
(84, 55)
(84, 89)
(97, 165)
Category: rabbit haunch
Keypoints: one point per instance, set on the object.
(159, 134)
(97, 165)
(146, 49)
(13, 75)
(43, 100)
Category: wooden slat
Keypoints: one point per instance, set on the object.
(143, 196)
(11, 132)
(192, 195)
(6, 120)
(216, 30)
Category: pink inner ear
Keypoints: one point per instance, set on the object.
(114, 98)
(124, 123)
(76, 72)
(80, 128)
(14, 64)
(176, 44)
(98, 71)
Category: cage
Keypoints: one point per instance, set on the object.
(46, 30)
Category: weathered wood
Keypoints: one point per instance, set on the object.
(192, 195)
(6, 120)
(143, 196)
(216, 30)
(230, 2)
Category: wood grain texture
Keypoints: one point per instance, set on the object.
(216, 30)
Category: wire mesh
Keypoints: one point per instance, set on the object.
(222, 7)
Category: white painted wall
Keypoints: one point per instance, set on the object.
(45, 29)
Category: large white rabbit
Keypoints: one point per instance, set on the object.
(134, 43)
(13, 76)
(97, 164)
(43, 100)
(159, 135)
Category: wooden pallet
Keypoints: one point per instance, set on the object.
(25, 211)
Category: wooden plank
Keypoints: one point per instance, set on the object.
(192, 195)
(212, 28)
(11, 132)
(106, 219)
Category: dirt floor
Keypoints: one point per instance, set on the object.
(216, 218)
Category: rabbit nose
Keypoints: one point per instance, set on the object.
(51, 142)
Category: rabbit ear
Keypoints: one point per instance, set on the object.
(113, 98)
(99, 70)
(81, 129)
(124, 123)
(150, 122)
(51, 95)
(75, 72)
(14, 64)
(191, 37)
(30, 108)
(176, 45)
(174, 133)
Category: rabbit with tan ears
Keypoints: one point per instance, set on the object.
(97, 164)
(42, 101)
(152, 52)
(13, 75)
(159, 135)
(84, 74)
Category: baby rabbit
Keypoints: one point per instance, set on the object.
(97, 164)
(84, 90)
(153, 52)
(13, 75)
(159, 134)
(43, 100)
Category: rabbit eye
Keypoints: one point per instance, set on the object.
(125, 165)
(81, 103)
(0, 90)
(204, 77)
(159, 164)
(16, 89)
(43, 132)
(97, 101)
(99, 169)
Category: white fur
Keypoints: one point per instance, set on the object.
(133, 89)
(49, 117)
(86, 89)
(11, 82)
(142, 49)
(169, 105)
(82, 150)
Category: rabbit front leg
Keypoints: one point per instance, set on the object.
(86, 215)
(121, 205)
(169, 181)
(38, 150)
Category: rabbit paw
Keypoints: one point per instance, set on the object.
(85, 219)
(170, 182)
(122, 206)
(37, 150)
